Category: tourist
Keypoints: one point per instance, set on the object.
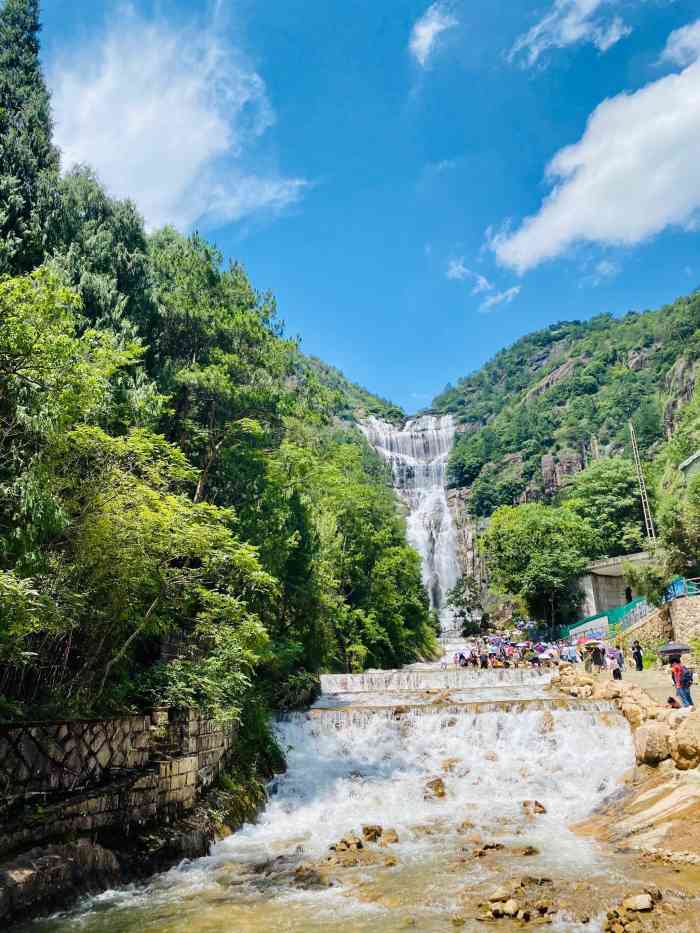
(613, 664)
(637, 656)
(484, 659)
(682, 680)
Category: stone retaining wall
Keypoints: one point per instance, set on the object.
(685, 615)
(80, 777)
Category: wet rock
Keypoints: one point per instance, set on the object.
(372, 832)
(435, 788)
(349, 842)
(526, 851)
(547, 724)
(457, 920)
(638, 902)
(465, 826)
(388, 838)
(500, 894)
(532, 807)
(310, 876)
(651, 743)
(449, 764)
(511, 908)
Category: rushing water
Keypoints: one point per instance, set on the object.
(347, 769)
(417, 454)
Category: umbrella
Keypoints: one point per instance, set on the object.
(674, 647)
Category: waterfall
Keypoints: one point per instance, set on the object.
(417, 454)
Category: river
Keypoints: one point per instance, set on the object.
(363, 757)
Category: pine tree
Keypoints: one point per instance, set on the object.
(29, 162)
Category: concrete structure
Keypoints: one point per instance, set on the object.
(691, 467)
(604, 585)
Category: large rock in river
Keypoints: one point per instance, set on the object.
(685, 743)
(652, 743)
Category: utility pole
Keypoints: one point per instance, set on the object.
(646, 508)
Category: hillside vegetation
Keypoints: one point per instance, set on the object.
(185, 517)
(556, 390)
(544, 454)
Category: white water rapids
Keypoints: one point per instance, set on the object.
(348, 767)
(418, 454)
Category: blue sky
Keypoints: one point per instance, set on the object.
(419, 184)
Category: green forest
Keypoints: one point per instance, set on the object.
(187, 514)
(568, 394)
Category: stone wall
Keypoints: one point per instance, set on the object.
(77, 778)
(685, 616)
(65, 756)
(651, 630)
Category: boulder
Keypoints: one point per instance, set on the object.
(638, 902)
(633, 714)
(511, 908)
(435, 788)
(685, 742)
(652, 743)
(372, 832)
(388, 838)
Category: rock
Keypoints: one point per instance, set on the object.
(633, 713)
(449, 764)
(547, 723)
(51, 875)
(531, 807)
(638, 902)
(491, 756)
(511, 908)
(457, 920)
(372, 832)
(500, 894)
(350, 842)
(651, 743)
(309, 876)
(465, 826)
(435, 788)
(388, 838)
(585, 692)
(685, 743)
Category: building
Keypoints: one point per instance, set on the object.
(604, 586)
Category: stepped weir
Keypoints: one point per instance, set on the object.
(449, 763)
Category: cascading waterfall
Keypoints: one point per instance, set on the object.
(417, 454)
(356, 766)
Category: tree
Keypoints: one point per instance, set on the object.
(606, 495)
(465, 600)
(29, 162)
(536, 552)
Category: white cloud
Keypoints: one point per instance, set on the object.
(634, 172)
(427, 30)
(500, 298)
(606, 269)
(570, 22)
(458, 272)
(170, 117)
(683, 45)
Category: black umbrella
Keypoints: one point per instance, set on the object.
(674, 647)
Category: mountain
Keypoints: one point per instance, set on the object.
(542, 407)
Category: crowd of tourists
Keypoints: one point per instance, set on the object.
(595, 655)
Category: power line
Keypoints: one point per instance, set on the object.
(646, 507)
